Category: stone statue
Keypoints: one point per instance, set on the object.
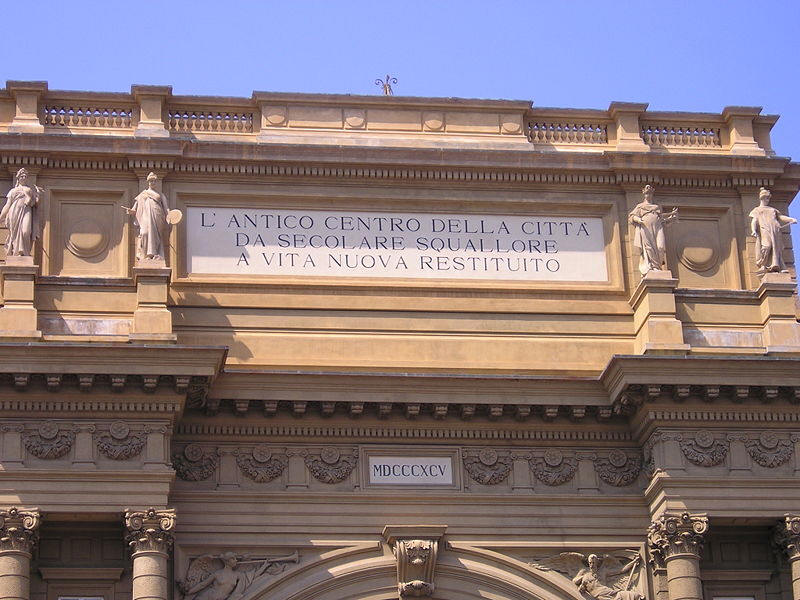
(152, 217)
(228, 576)
(21, 215)
(767, 225)
(649, 221)
(607, 577)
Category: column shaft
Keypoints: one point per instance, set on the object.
(683, 577)
(15, 575)
(796, 578)
(150, 576)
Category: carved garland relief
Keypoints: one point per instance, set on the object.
(704, 450)
(487, 467)
(261, 464)
(195, 463)
(50, 442)
(119, 443)
(768, 450)
(618, 467)
(553, 467)
(329, 465)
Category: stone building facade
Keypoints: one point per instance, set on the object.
(385, 347)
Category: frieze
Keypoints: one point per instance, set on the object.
(618, 467)
(769, 450)
(50, 442)
(120, 443)
(329, 465)
(553, 467)
(487, 466)
(704, 449)
(261, 464)
(195, 463)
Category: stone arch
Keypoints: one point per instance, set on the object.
(462, 573)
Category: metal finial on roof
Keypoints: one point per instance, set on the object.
(386, 85)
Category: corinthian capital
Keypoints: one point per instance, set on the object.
(149, 530)
(787, 536)
(674, 535)
(19, 529)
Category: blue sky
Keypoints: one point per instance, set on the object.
(694, 55)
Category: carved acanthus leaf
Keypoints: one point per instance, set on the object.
(487, 466)
(618, 468)
(119, 443)
(195, 463)
(676, 534)
(768, 450)
(704, 450)
(787, 536)
(19, 529)
(260, 464)
(50, 442)
(553, 468)
(330, 465)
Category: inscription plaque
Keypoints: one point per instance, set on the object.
(414, 470)
(251, 241)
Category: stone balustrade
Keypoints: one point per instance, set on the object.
(266, 117)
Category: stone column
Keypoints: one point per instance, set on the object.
(149, 535)
(676, 541)
(18, 535)
(787, 537)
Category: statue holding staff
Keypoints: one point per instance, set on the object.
(152, 216)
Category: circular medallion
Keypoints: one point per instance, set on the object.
(354, 118)
(275, 115)
(48, 430)
(696, 252)
(553, 458)
(193, 452)
(329, 455)
(487, 456)
(768, 440)
(704, 439)
(617, 458)
(119, 430)
(434, 121)
(86, 238)
(262, 454)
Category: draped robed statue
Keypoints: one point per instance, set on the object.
(153, 217)
(20, 214)
(649, 221)
(767, 226)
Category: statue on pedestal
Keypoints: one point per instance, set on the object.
(649, 222)
(152, 217)
(20, 215)
(767, 225)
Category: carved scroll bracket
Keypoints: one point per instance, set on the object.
(416, 548)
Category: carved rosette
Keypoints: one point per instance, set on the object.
(768, 450)
(330, 465)
(119, 443)
(150, 530)
(416, 550)
(787, 536)
(260, 464)
(487, 467)
(676, 535)
(704, 450)
(19, 529)
(195, 463)
(553, 468)
(50, 441)
(618, 468)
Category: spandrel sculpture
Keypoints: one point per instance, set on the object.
(228, 575)
(767, 225)
(607, 577)
(153, 218)
(649, 222)
(21, 214)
